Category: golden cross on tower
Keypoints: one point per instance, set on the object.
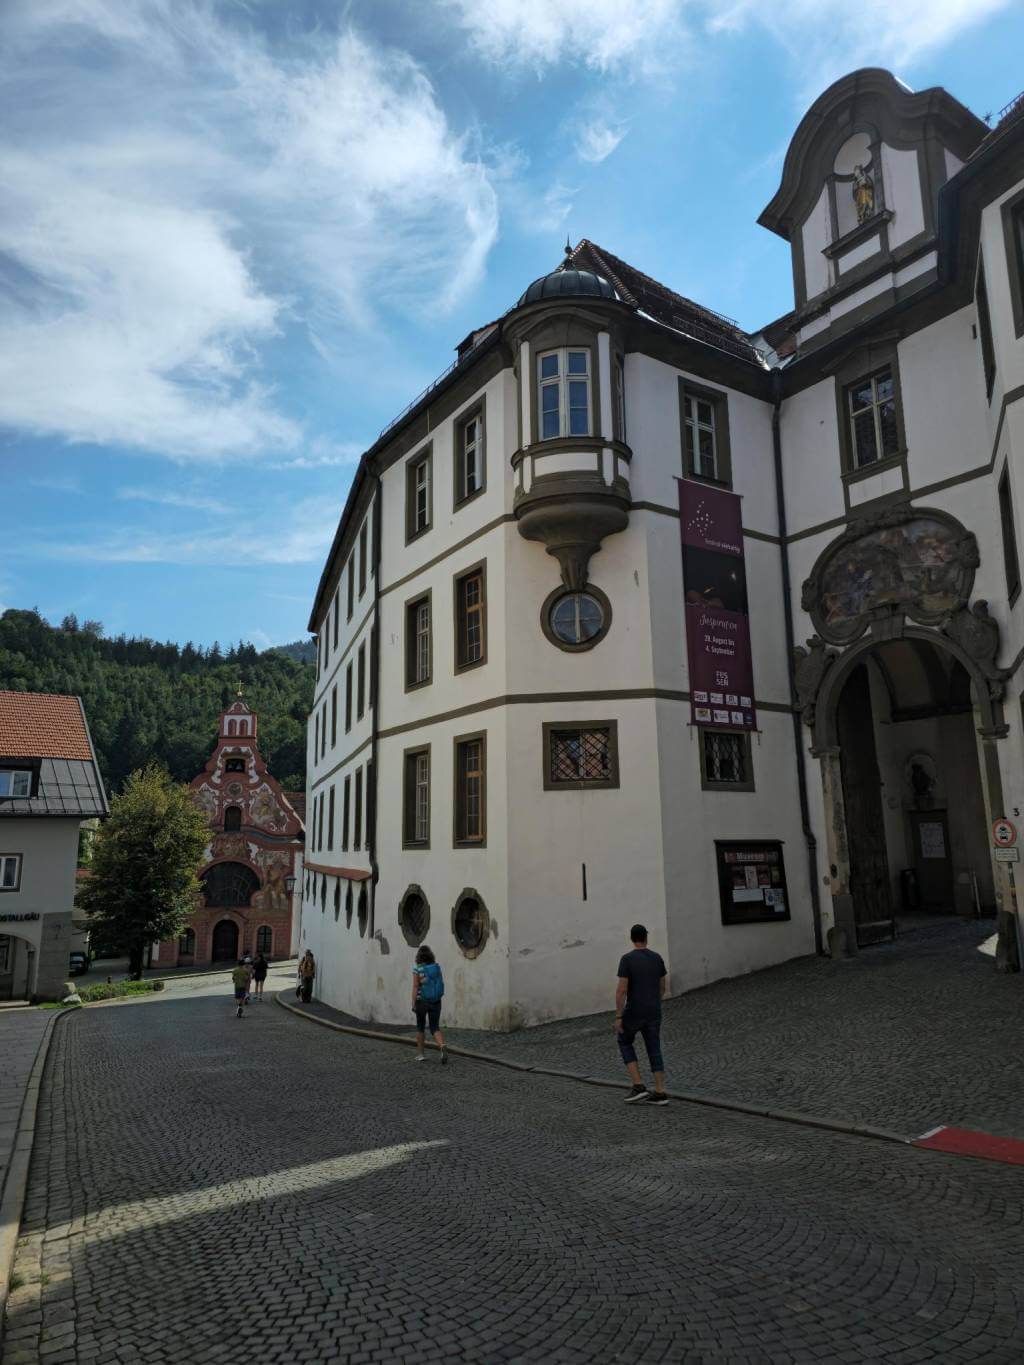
(239, 692)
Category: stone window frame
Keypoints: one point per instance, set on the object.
(346, 810)
(471, 893)
(409, 757)
(988, 351)
(357, 812)
(1012, 211)
(856, 366)
(458, 808)
(477, 410)
(348, 696)
(548, 605)
(480, 567)
(550, 727)
(719, 399)
(330, 817)
(423, 456)
(706, 783)
(410, 608)
(1008, 534)
(334, 716)
(413, 940)
(361, 680)
(18, 864)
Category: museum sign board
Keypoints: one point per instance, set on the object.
(751, 880)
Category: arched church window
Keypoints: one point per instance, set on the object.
(232, 727)
(233, 817)
(230, 885)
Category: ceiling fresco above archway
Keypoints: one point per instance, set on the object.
(905, 562)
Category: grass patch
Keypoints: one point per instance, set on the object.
(115, 990)
(56, 1005)
(16, 1282)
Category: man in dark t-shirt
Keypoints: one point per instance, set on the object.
(641, 985)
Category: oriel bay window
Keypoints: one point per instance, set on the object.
(470, 618)
(417, 642)
(581, 757)
(470, 791)
(416, 798)
(563, 397)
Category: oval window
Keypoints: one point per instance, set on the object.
(577, 618)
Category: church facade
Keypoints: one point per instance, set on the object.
(636, 615)
(253, 861)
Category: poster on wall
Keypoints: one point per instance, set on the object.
(715, 610)
(751, 881)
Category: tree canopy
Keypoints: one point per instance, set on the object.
(142, 882)
(150, 702)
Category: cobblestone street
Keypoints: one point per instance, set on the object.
(205, 1189)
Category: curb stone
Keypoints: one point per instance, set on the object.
(16, 1178)
(848, 1127)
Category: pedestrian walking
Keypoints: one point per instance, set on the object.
(240, 979)
(638, 995)
(427, 993)
(259, 974)
(307, 975)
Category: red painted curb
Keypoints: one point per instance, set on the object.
(967, 1142)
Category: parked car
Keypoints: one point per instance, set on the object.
(78, 964)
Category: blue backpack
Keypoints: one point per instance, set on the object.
(431, 982)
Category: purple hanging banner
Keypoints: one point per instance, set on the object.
(715, 611)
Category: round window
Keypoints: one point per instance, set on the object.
(414, 916)
(470, 924)
(576, 620)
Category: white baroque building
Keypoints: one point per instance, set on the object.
(506, 758)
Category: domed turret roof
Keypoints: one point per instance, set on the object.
(566, 284)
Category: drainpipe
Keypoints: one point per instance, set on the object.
(787, 612)
(371, 814)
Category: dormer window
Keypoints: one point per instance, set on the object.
(874, 429)
(15, 782)
(563, 378)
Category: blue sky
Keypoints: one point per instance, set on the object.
(237, 238)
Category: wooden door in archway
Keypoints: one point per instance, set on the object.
(225, 941)
(865, 821)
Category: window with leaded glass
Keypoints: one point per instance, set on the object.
(726, 761)
(874, 429)
(581, 756)
(470, 790)
(563, 384)
(470, 626)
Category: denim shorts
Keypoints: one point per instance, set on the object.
(428, 1012)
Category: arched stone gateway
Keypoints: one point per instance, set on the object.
(903, 696)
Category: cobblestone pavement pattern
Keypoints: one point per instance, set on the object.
(208, 1190)
(905, 1036)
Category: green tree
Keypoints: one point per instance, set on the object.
(143, 884)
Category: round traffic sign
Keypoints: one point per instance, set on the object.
(1004, 833)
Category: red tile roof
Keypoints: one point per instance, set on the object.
(36, 725)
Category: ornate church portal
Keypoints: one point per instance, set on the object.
(904, 701)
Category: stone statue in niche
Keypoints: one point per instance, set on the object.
(863, 191)
(920, 781)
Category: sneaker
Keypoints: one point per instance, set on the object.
(444, 1056)
(659, 1097)
(638, 1092)
(419, 1057)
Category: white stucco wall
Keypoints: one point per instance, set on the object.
(49, 853)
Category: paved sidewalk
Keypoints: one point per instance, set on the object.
(906, 1036)
(21, 1032)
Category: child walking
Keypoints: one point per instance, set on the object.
(427, 991)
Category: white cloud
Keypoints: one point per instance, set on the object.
(826, 37)
(597, 140)
(169, 498)
(177, 195)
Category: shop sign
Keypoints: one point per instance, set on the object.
(22, 915)
(1004, 833)
(715, 608)
(751, 881)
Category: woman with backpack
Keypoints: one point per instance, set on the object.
(427, 991)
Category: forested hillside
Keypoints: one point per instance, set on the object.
(303, 650)
(146, 701)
